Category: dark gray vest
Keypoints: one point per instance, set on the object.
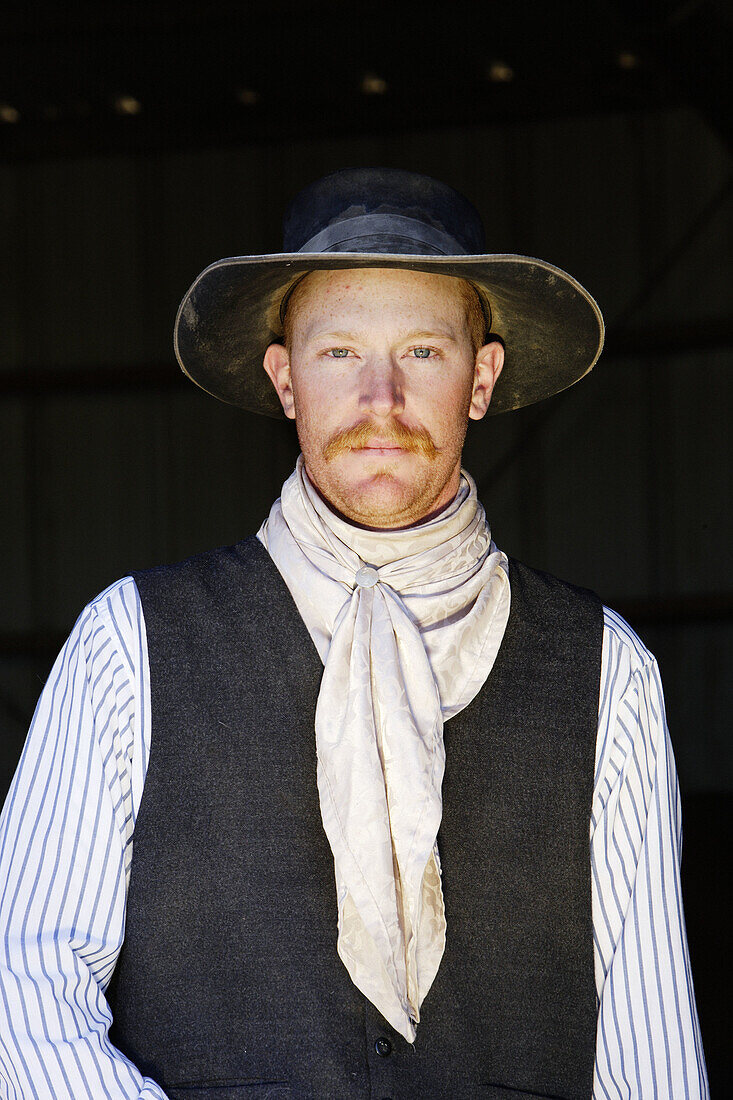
(228, 986)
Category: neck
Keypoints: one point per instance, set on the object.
(309, 515)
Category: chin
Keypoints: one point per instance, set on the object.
(382, 500)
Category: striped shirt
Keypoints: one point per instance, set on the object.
(66, 839)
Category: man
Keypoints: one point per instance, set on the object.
(367, 695)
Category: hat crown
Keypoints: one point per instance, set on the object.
(383, 210)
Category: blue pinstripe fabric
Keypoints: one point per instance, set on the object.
(66, 847)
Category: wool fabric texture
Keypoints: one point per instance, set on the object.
(408, 624)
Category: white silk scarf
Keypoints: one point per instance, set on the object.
(408, 624)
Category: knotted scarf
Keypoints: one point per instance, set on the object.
(408, 624)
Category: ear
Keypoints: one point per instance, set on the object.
(489, 361)
(277, 364)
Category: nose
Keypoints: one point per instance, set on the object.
(382, 387)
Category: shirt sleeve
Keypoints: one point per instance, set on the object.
(65, 850)
(648, 1038)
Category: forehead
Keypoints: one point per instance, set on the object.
(378, 295)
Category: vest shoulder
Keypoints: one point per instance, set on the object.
(211, 570)
(547, 585)
(552, 606)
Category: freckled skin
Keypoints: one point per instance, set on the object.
(388, 350)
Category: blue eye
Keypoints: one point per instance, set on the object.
(339, 353)
(422, 353)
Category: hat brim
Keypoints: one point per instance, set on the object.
(551, 327)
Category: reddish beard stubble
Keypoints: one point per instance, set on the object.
(415, 440)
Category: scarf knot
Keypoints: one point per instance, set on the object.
(366, 577)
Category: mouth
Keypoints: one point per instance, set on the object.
(378, 448)
(396, 442)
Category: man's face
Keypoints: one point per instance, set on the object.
(381, 379)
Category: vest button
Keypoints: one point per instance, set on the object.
(383, 1047)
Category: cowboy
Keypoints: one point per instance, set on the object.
(358, 806)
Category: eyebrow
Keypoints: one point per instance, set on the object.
(414, 334)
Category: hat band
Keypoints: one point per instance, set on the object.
(393, 226)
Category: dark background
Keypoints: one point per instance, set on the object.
(140, 142)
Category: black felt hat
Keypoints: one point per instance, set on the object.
(551, 327)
